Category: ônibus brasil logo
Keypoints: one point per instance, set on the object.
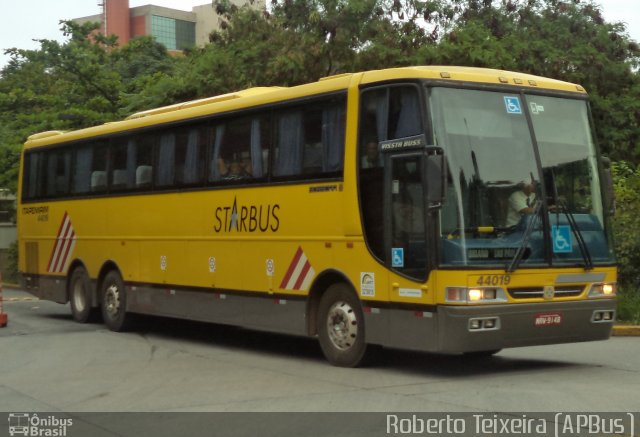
(32, 425)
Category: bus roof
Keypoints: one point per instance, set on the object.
(264, 95)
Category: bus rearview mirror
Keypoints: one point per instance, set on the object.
(435, 176)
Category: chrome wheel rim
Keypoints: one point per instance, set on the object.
(342, 325)
(112, 300)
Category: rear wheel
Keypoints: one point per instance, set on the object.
(80, 297)
(113, 299)
(341, 327)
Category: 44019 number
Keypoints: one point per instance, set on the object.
(493, 280)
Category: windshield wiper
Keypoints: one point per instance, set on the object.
(582, 245)
(515, 262)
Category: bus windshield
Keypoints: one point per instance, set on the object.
(497, 193)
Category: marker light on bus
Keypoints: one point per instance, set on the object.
(603, 290)
(475, 295)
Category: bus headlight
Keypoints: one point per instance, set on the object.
(475, 295)
(603, 290)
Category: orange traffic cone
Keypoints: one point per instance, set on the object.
(3, 316)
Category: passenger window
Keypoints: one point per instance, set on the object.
(310, 140)
(90, 168)
(288, 148)
(181, 157)
(132, 163)
(58, 172)
(122, 173)
(190, 156)
(34, 181)
(240, 150)
(166, 160)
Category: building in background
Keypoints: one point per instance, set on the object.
(175, 29)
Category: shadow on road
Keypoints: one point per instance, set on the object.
(308, 349)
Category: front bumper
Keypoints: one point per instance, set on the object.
(516, 325)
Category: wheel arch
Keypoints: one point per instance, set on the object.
(320, 285)
(106, 268)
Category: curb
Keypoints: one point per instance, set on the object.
(626, 331)
(10, 286)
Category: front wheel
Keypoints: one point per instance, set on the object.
(341, 327)
(113, 298)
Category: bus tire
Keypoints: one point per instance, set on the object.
(113, 301)
(80, 297)
(341, 327)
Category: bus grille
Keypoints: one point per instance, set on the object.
(537, 292)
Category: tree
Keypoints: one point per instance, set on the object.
(85, 81)
(563, 40)
(627, 222)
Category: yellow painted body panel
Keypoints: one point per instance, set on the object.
(188, 239)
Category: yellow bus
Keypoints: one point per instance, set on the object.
(440, 209)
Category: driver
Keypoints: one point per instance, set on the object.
(521, 202)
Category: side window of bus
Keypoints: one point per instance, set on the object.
(122, 171)
(132, 163)
(240, 150)
(190, 155)
(58, 172)
(181, 157)
(387, 114)
(90, 168)
(144, 160)
(310, 140)
(34, 182)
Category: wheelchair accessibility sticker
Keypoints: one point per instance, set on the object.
(512, 104)
(561, 236)
(397, 257)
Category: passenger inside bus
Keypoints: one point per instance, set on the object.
(234, 169)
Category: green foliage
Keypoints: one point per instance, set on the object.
(12, 263)
(628, 307)
(626, 224)
(86, 81)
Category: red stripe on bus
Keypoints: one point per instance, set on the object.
(303, 275)
(55, 246)
(69, 243)
(64, 243)
(292, 268)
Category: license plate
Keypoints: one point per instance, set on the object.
(548, 319)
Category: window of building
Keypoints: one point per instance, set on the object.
(173, 34)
